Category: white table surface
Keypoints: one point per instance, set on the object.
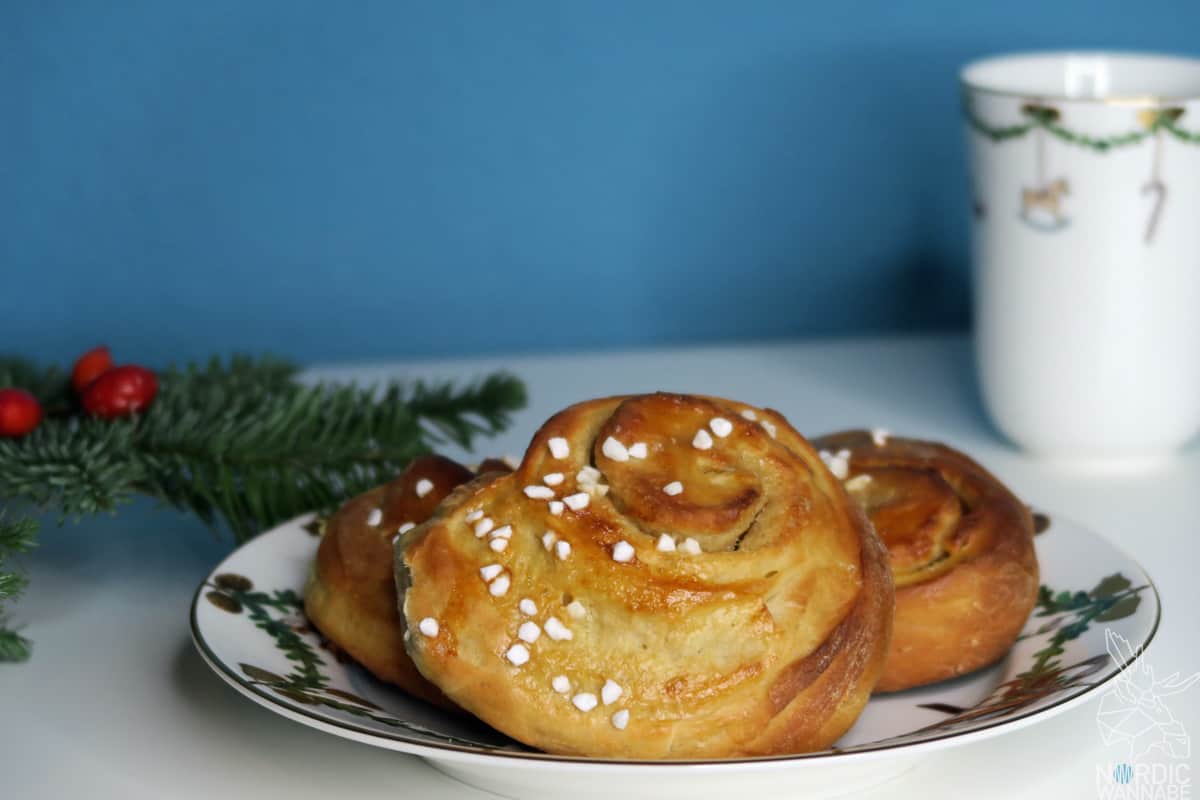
(116, 703)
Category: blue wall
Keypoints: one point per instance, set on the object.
(363, 180)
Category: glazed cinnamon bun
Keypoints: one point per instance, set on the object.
(960, 545)
(662, 577)
(351, 593)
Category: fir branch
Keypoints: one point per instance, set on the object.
(50, 385)
(16, 536)
(482, 408)
(248, 444)
(241, 442)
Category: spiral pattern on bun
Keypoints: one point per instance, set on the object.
(663, 576)
(960, 546)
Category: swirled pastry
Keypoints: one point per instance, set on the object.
(351, 593)
(662, 577)
(960, 546)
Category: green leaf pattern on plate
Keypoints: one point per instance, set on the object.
(1068, 615)
(280, 614)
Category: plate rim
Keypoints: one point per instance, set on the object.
(457, 752)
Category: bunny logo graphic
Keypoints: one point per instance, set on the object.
(1134, 718)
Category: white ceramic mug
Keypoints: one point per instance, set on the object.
(1086, 250)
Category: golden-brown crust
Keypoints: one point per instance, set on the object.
(961, 548)
(769, 641)
(351, 592)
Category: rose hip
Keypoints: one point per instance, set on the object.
(20, 412)
(120, 391)
(91, 365)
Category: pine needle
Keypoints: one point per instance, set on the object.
(16, 536)
(241, 443)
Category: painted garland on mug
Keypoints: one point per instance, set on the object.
(1042, 204)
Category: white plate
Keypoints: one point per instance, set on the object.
(248, 624)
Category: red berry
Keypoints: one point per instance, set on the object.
(91, 365)
(120, 391)
(20, 412)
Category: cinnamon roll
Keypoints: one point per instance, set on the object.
(662, 577)
(350, 596)
(960, 545)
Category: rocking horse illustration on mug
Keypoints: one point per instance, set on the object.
(1041, 205)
